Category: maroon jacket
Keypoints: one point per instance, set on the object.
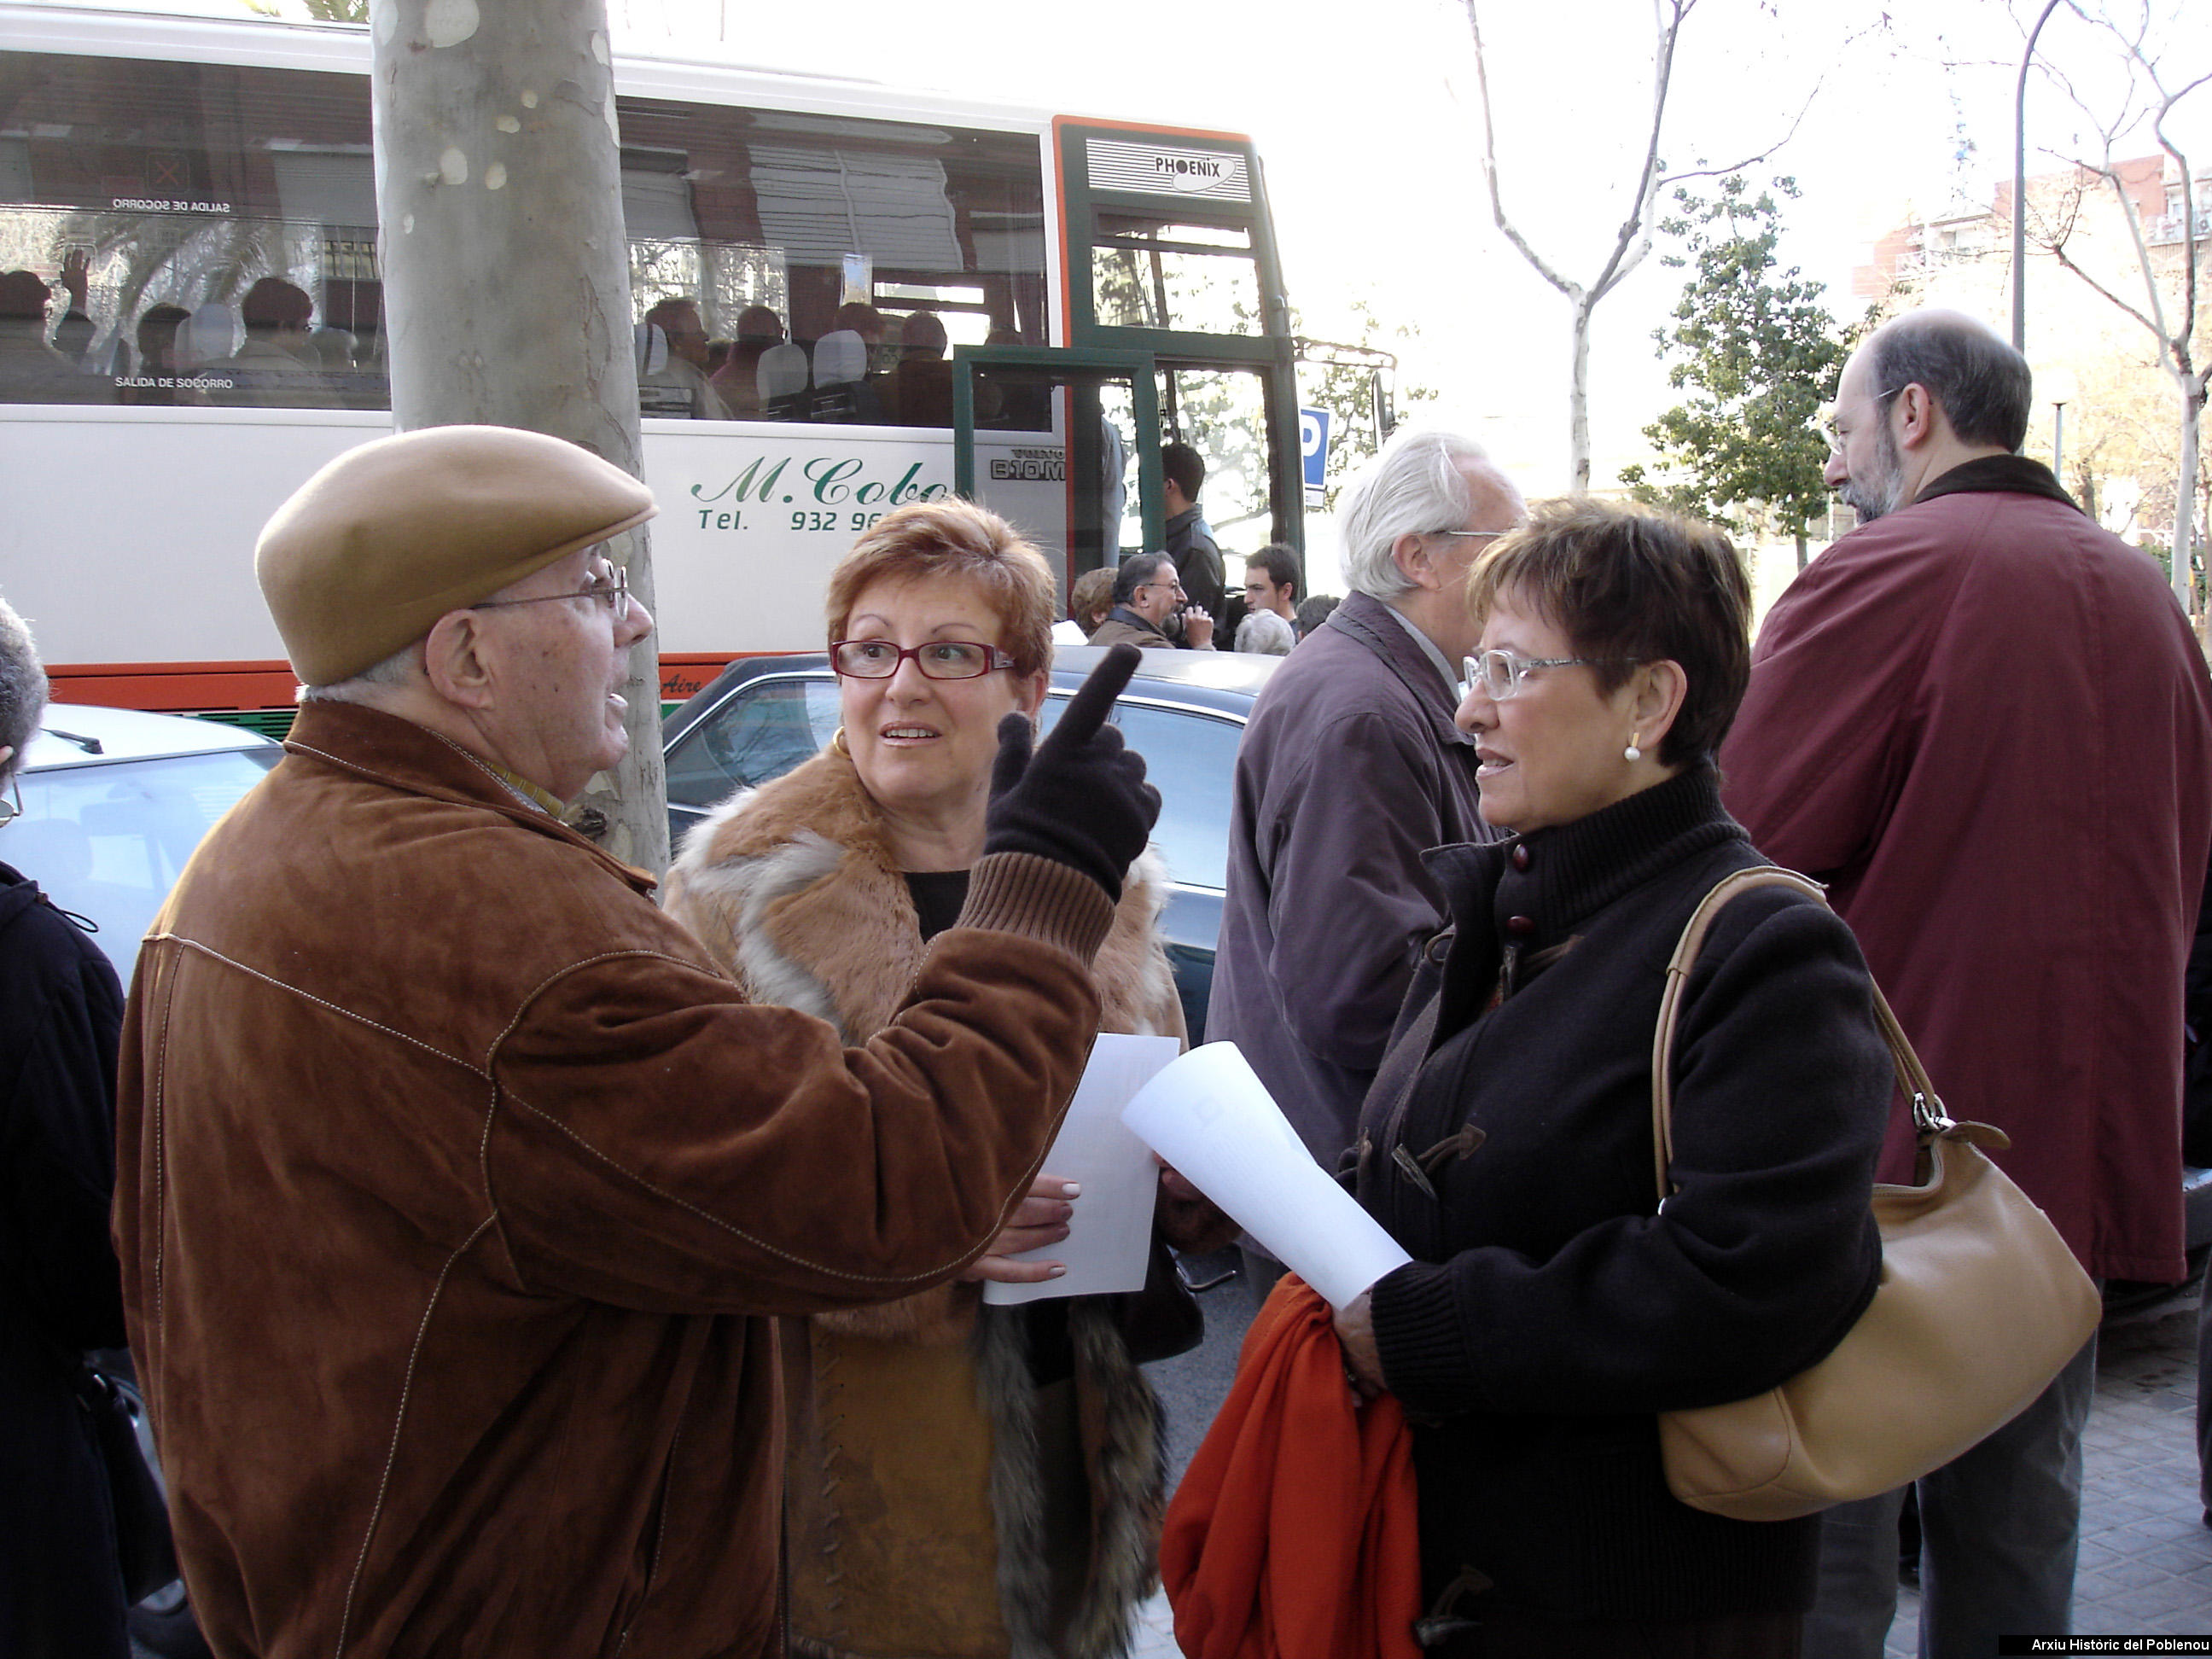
(1985, 723)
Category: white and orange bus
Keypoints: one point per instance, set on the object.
(847, 296)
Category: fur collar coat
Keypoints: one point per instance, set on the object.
(941, 1498)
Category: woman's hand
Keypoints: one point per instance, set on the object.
(1363, 1361)
(1038, 1220)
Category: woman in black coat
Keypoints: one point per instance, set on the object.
(1553, 1307)
(61, 1016)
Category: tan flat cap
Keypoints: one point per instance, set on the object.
(373, 549)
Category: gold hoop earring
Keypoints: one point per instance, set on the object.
(837, 742)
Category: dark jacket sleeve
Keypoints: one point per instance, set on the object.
(62, 1022)
(1761, 1259)
(1350, 901)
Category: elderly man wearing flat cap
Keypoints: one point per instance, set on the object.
(456, 1180)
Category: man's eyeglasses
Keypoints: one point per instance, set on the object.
(1501, 674)
(12, 804)
(1486, 535)
(1825, 419)
(938, 659)
(610, 588)
(1177, 586)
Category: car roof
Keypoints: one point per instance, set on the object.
(85, 734)
(1225, 681)
(1212, 671)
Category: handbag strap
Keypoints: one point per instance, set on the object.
(1928, 1117)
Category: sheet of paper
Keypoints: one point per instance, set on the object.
(1209, 1116)
(1109, 1243)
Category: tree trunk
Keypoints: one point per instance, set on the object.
(1802, 558)
(1578, 439)
(2185, 495)
(507, 278)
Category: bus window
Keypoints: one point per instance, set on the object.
(206, 234)
(1158, 273)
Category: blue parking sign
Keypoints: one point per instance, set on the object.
(1313, 450)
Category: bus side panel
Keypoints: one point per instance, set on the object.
(129, 541)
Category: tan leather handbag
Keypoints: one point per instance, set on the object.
(1979, 1305)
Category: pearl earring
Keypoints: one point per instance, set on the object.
(1632, 754)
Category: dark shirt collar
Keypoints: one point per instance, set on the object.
(1122, 613)
(2010, 475)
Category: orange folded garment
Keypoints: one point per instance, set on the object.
(1293, 1534)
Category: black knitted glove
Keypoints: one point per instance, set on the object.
(1082, 799)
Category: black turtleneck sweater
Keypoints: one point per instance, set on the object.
(1548, 1314)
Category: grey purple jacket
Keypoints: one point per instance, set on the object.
(1350, 769)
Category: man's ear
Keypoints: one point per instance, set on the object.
(1410, 553)
(1919, 417)
(457, 660)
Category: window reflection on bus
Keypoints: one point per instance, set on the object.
(205, 235)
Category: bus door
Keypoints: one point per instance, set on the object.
(1065, 446)
(1171, 252)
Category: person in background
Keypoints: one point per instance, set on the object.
(923, 380)
(965, 1480)
(1548, 1314)
(1973, 681)
(676, 385)
(1271, 592)
(737, 381)
(1349, 770)
(61, 1292)
(1088, 602)
(1147, 593)
(277, 366)
(1190, 541)
(1313, 612)
(477, 1355)
(32, 371)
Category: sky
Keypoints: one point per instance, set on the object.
(1368, 119)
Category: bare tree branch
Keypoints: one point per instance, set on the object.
(1566, 286)
(1750, 161)
(1634, 241)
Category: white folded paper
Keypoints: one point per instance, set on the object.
(1210, 1117)
(1109, 1238)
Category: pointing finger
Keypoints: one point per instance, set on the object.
(1087, 709)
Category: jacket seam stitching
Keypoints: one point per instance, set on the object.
(398, 1426)
(322, 1002)
(776, 1250)
(707, 1216)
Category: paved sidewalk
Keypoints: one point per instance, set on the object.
(2146, 1561)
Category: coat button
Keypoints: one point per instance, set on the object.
(1520, 926)
(1520, 856)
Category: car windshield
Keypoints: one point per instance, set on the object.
(107, 841)
(760, 733)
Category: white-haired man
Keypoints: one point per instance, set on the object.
(1350, 768)
(457, 1182)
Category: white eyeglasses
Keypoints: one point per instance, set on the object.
(1501, 673)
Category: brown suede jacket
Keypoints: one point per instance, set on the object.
(455, 1180)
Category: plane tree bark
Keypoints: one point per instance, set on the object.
(506, 272)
